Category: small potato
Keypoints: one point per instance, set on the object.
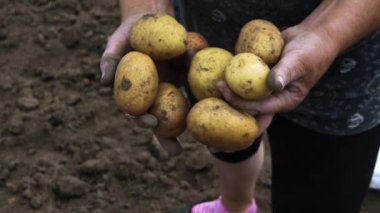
(170, 108)
(136, 83)
(214, 123)
(175, 70)
(259, 25)
(159, 35)
(195, 42)
(206, 69)
(246, 75)
(261, 38)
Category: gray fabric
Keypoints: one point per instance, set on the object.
(347, 98)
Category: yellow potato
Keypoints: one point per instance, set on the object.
(214, 123)
(159, 35)
(259, 25)
(206, 69)
(246, 75)
(136, 83)
(261, 38)
(170, 108)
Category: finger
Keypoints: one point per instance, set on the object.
(289, 33)
(108, 67)
(146, 121)
(117, 46)
(171, 145)
(283, 101)
(278, 102)
(230, 96)
(288, 69)
(263, 121)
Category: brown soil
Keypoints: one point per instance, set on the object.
(64, 147)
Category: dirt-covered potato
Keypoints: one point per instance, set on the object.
(136, 83)
(206, 69)
(170, 108)
(159, 35)
(259, 25)
(246, 75)
(214, 123)
(261, 38)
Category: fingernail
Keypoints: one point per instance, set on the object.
(279, 83)
(108, 72)
(102, 76)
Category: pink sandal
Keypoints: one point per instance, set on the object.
(216, 206)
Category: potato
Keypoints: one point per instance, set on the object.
(195, 42)
(261, 38)
(206, 69)
(246, 75)
(170, 108)
(136, 83)
(175, 70)
(259, 25)
(159, 35)
(214, 123)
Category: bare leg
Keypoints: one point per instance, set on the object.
(237, 181)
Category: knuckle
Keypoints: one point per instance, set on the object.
(297, 96)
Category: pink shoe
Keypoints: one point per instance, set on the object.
(216, 206)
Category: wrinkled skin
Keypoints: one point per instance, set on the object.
(118, 46)
(302, 64)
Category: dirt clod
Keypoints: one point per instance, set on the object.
(94, 166)
(70, 187)
(73, 99)
(3, 34)
(105, 91)
(36, 202)
(198, 161)
(15, 124)
(28, 103)
(70, 37)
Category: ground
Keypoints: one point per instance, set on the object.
(64, 147)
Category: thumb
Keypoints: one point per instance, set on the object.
(288, 69)
(117, 46)
(171, 145)
(144, 121)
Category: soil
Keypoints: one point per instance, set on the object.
(64, 147)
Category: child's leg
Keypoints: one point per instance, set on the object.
(238, 173)
(237, 181)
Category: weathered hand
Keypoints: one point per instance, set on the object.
(305, 59)
(117, 47)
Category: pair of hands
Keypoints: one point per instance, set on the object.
(305, 58)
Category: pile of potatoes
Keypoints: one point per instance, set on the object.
(211, 121)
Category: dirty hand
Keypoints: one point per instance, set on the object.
(118, 46)
(305, 58)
